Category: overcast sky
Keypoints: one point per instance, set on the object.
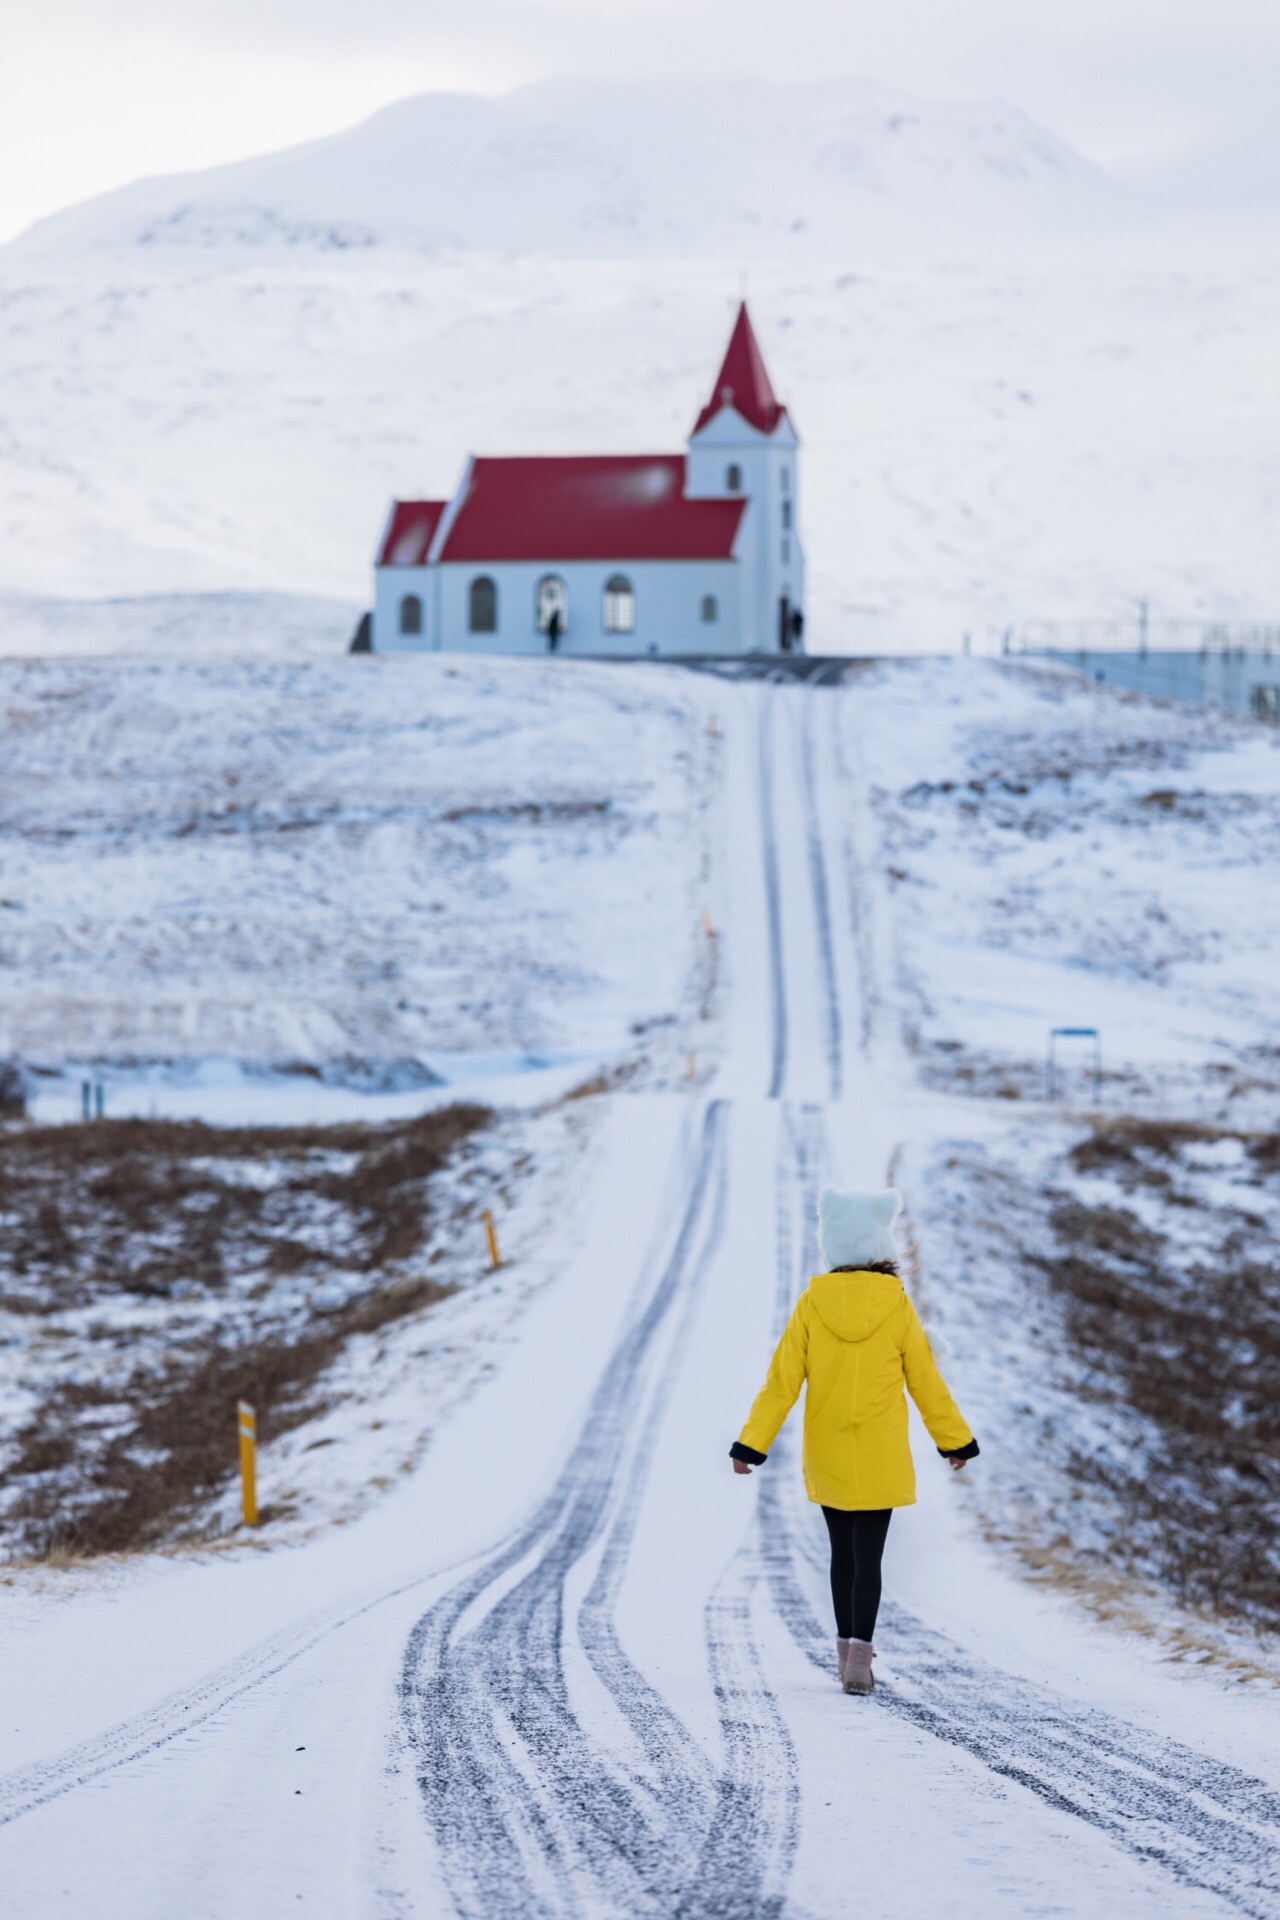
(94, 95)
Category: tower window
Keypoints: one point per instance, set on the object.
(619, 605)
(733, 478)
(710, 609)
(483, 607)
(411, 614)
(786, 515)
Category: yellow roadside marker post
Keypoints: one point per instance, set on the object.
(490, 1230)
(248, 1464)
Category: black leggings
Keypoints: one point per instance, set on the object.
(857, 1542)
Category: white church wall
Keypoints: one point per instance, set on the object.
(669, 595)
(391, 586)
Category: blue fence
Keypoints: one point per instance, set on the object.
(1245, 681)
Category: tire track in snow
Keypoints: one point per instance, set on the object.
(821, 894)
(773, 895)
(532, 1815)
(1208, 1824)
(677, 1765)
(751, 1841)
(759, 1795)
(180, 1712)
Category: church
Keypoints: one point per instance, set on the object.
(612, 555)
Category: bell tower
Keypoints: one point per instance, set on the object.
(743, 443)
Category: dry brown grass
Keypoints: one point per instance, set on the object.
(168, 1215)
(149, 1206)
(1192, 1345)
(1136, 1606)
(608, 1080)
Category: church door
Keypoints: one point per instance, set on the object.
(551, 609)
(784, 625)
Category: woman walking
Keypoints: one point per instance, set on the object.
(855, 1337)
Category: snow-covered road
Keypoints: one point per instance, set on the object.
(573, 1666)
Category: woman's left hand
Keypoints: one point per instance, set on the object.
(740, 1466)
(957, 1466)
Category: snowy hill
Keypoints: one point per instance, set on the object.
(586, 167)
(1017, 398)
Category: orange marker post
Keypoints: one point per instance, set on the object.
(248, 1464)
(707, 927)
(491, 1231)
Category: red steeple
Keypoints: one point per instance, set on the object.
(743, 381)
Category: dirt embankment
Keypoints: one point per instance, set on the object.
(153, 1273)
(1175, 1311)
(1112, 1295)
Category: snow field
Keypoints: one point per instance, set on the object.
(367, 862)
(1060, 855)
(248, 892)
(193, 627)
(596, 1676)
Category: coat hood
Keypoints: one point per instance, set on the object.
(853, 1306)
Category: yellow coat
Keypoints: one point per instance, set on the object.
(856, 1339)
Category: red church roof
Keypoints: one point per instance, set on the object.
(410, 532)
(588, 507)
(743, 381)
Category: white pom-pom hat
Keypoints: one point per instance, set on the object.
(855, 1229)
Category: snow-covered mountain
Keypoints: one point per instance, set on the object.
(1020, 396)
(589, 167)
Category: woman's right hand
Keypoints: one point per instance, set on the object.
(740, 1466)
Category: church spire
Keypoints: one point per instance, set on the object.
(743, 381)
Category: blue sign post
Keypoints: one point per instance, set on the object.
(1074, 1033)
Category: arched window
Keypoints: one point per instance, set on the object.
(619, 605)
(733, 478)
(483, 607)
(411, 614)
(710, 609)
(551, 609)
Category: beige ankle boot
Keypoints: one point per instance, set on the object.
(842, 1655)
(857, 1675)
